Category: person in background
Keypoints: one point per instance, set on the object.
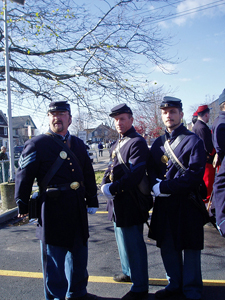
(71, 193)
(100, 149)
(194, 118)
(218, 131)
(3, 155)
(176, 223)
(123, 203)
(202, 130)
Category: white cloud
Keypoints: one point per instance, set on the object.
(190, 8)
(165, 68)
(206, 59)
(185, 79)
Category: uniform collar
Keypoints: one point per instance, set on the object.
(61, 137)
(131, 130)
(175, 132)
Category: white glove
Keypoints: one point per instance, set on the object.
(92, 210)
(105, 190)
(156, 189)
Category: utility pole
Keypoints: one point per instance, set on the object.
(8, 91)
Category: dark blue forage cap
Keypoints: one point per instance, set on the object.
(120, 109)
(59, 106)
(169, 101)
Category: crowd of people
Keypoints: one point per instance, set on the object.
(180, 166)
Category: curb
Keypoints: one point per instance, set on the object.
(9, 214)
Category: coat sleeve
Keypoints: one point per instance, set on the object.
(219, 196)
(220, 140)
(25, 175)
(89, 178)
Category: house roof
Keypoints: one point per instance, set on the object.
(20, 122)
(3, 119)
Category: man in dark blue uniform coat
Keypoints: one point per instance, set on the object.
(130, 152)
(218, 129)
(70, 194)
(202, 130)
(219, 195)
(176, 223)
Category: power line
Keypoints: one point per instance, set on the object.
(185, 12)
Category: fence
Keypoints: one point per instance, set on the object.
(4, 170)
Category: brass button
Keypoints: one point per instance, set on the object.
(68, 158)
(70, 164)
(72, 170)
(164, 175)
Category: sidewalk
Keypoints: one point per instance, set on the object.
(100, 163)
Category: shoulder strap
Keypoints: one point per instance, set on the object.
(51, 172)
(169, 150)
(66, 147)
(174, 158)
(120, 159)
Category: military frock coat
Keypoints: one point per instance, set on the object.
(177, 210)
(63, 216)
(219, 135)
(202, 130)
(219, 196)
(125, 207)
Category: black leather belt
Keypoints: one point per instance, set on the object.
(64, 187)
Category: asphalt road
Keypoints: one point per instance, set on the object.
(20, 265)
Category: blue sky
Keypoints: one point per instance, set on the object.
(199, 43)
(199, 40)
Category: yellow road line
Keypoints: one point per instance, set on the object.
(103, 279)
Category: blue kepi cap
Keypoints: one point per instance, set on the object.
(59, 106)
(120, 109)
(169, 101)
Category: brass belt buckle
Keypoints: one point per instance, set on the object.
(74, 185)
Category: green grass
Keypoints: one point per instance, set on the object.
(99, 176)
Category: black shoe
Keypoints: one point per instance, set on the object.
(85, 297)
(165, 293)
(122, 278)
(135, 296)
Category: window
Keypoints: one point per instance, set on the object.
(28, 122)
(5, 130)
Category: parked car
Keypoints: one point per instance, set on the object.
(17, 151)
